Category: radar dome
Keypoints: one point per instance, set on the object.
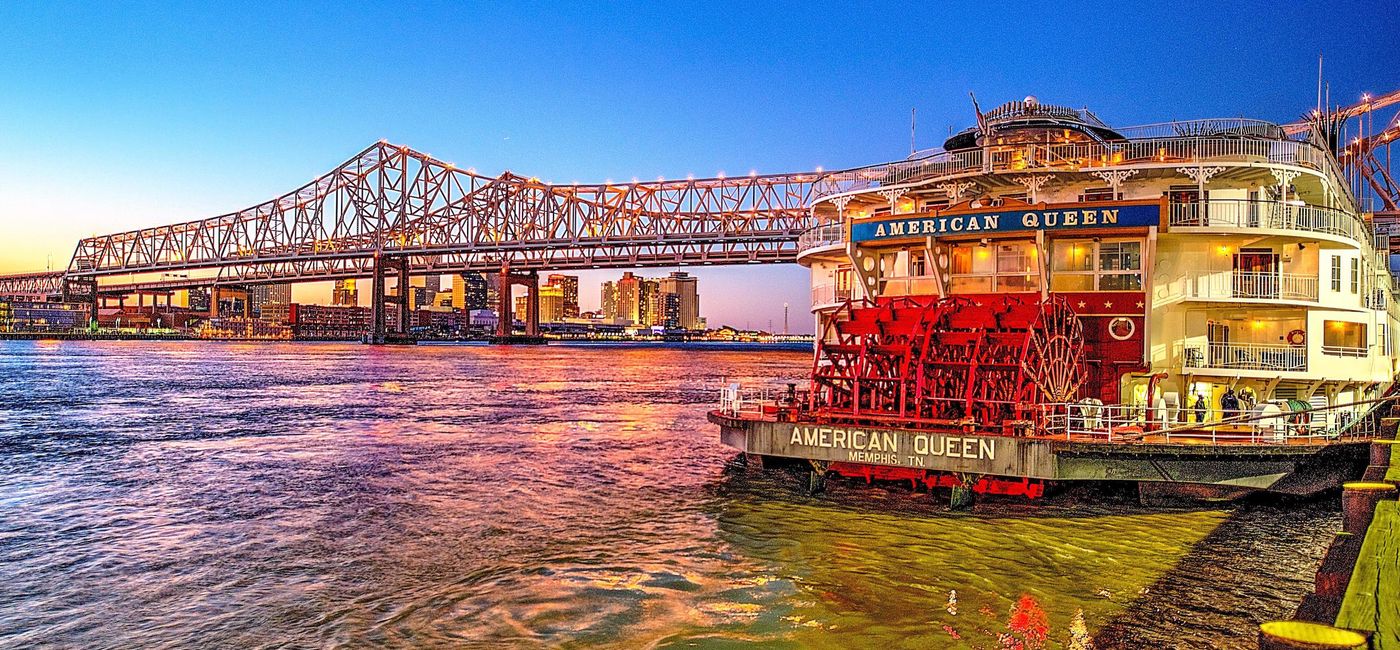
(1031, 101)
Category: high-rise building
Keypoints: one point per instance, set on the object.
(552, 303)
(432, 286)
(609, 304)
(648, 303)
(471, 292)
(686, 287)
(670, 311)
(345, 294)
(629, 293)
(268, 293)
(568, 284)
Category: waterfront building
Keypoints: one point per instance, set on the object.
(568, 284)
(686, 289)
(198, 299)
(38, 316)
(553, 302)
(608, 306)
(262, 294)
(345, 294)
(432, 286)
(334, 322)
(472, 291)
(629, 298)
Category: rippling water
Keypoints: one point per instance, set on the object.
(228, 495)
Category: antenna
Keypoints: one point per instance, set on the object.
(913, 113)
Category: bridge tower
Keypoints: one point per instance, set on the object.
(505, 307)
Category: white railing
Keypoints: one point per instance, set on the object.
(1346, 350)
(1245, 356)
(1266, 424)
(824, 295)
(914, 285)
(1275, 215)
(825, 234)
(1076, 156)
(735, 400)
(1253, 285)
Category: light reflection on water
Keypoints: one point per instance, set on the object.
(322, 494)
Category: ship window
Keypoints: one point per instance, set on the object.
(1355, 275)
(1343, 337)
(1098, 194)
(917, 265)
(1004, 267)
(1337, 273)
(1085, 265)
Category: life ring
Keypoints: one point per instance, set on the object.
(1297, 337)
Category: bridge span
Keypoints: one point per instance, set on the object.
(392, 210)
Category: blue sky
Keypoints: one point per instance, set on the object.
(122, 115)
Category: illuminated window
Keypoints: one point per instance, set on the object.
(1000, 267)
(1120, 266)
(1343, 337)
(1085, 265)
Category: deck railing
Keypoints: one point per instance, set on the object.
(829, 294)
(1120, 423)
(822, 235)
(1253, 285)
(1346, 350)
(1274, 215)
(1204, 141)
(1245, 356)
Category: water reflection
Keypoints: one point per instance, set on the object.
(232, 495)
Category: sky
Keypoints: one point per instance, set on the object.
(116, 116)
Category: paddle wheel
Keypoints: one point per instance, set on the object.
(965, 363)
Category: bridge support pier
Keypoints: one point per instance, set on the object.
(505, 327)
(378, 330)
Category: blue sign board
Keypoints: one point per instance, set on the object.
(1122, 216)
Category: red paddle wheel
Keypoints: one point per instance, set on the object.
(985, 362)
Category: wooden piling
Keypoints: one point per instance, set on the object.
(1359, 504)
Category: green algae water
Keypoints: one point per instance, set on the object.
(227, 495)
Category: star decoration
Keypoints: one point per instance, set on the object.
(1107, 305)
(1139, 304)
(1081, 304)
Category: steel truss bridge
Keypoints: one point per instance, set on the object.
(393, 201)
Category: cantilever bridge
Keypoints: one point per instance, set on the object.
(396, 210)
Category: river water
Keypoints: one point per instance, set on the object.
(291, 495)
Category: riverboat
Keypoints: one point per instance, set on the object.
(1198, 307)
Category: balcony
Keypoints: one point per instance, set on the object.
(1245, 356)
(1251, 285)
(827, 234)
(1268, 215)
(827, 295)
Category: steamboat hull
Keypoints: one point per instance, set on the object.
(1190, 469)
